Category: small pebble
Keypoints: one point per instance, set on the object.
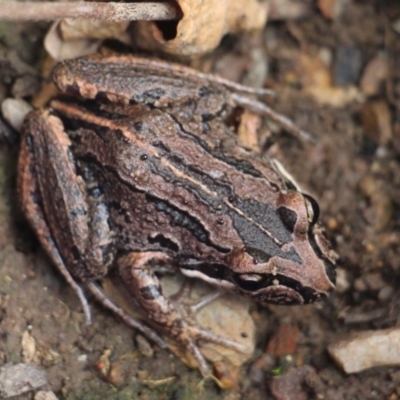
(342, 280)
(82, 358)
(301, 383)
(374, 280)
(144, 346)
(332, 224)
(396, 25)
(116, 375)
(376, 119)
(331, 9)
(381, 152)
(368, 349)
(360, 285)
(14, 111)
(374, 75)
(26, 85)
(42, 395)
(6, 133)
(284, 341)
(347, 66)
(20, 378)
(385, 294)
(3, 92)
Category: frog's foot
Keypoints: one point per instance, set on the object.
(188, 332)
(205, 334)
(48, 244)
(55, 256)
(189, 336)
(206, 300)
(108, 303)
(184, 293)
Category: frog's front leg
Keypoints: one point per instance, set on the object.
(136, 270)
(69, 219)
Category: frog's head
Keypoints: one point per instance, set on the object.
(298, 267)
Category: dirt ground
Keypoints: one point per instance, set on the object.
(318, 69)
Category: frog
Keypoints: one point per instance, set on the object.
(136, 168)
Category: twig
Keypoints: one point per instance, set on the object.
(281, 120)
(47, 11)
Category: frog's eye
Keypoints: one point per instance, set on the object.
(312, 209)
(298, 211)
(249, 282)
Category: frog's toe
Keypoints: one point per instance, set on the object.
(204, 334)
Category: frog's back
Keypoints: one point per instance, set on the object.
(206, 196)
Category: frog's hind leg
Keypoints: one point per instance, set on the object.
(136, 270)
(63, 203)
(29, 196)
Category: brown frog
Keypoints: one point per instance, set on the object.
(139, 168)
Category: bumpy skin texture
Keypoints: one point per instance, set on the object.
(142, 169)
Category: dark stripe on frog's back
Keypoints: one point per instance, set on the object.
(242, 165)
(146, 223)
(211, 109)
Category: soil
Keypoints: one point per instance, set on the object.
(353, 170)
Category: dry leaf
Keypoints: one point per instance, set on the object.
(71, 38)
(315, 76)
(200, 30)
(331, 9)
(72, 29)
(376, 120)
(288, 9)
(247, 130)
(202, 26)
(59, 49)
(28, 344)
(375, 74)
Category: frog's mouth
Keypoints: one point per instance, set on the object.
(277, 289)
(262, 287)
